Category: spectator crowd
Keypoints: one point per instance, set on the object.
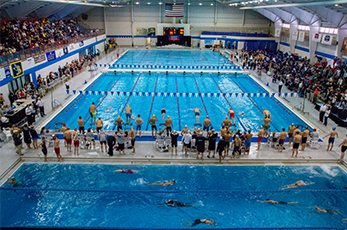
(19, 35)
(317, 82)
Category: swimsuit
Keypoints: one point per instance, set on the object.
(247, 143)
(138, 127)
(304, 140)
(343, 148)
(128, 115)
(232, 115)
(259, 139)
(197, 114)
(281, 141)
(331, 140)
(296, 145)
(76, 143)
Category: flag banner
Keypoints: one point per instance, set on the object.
(316, 37)
(327, 39)
(301, 37)
(174, 10)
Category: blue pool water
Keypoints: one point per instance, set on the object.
(171, 57)
(94, 196)
(178, 108)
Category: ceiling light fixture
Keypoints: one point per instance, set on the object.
(160, 3)
(137, 3)
(200, 4)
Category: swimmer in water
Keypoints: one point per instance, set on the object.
(297, 184)
(319, 210)
(163, 184)
(14, 182)
(201, 221)
(276, 202)
(242, 114)
(124, 171)
(175, 204)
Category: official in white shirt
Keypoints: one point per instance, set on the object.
(40, 104)
(322, 110)
(28, 112)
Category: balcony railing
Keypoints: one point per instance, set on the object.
(22, 55)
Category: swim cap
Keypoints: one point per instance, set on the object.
(236, 136)
(261, 126)
(118, 116)
(168, 116)
(75, 129)
(334, 128)
(226, 117)
(128, 105)
(185, 126)
(153, 115)
(314, 130)
(68, 128)
(292, 123)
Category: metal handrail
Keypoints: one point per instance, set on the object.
(41, 50)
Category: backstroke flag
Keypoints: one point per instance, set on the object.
(174, 10)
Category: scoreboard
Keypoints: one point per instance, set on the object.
(170, 31)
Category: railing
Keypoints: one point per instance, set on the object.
(41, 50)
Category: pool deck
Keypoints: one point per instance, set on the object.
(146, 152)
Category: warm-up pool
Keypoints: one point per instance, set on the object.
(95, 196)
(178, 93)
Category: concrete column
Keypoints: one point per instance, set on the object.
(132, 23)
(293, 28)
(341, 34)
(278, 24)
(105, 21)
(314, 28)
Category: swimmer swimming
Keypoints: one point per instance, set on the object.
(297, 184)
(197, 114)
(201, 221)
(319, 210)
(175, 204)
(14, 182)
(163, 184)
(242, 114)
(124, 171)
(276, 202)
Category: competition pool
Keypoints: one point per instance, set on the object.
(95, 196)
(179, 94)
(172, 58)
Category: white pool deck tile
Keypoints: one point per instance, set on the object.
(146, 151)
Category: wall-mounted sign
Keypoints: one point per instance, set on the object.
(65, 50)
(7, 71)
(17, 69)
(81, 43)
(40, 58)
(295, 35)
(316, 37)
(51, 56)
(301, 37)
(277, 32)
(327, 39)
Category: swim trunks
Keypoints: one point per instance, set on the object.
(343, 148)
(103, 142)
(259, 139)
(154, 127)
(197, 114)
(266, 127)
(331, 140)
(69, 141)
(304, 140)
(281, 141)
(232, 115)
(132, 142)
(236, 149)
(128, 115)
(127, 171)
(98, 129)
(76, 143)
(281, 202)
(247, 144)
(57, 150)
(207, 128)
(296, 145)
(81, 129)
(121, 147)
(290, 135)
(174, 144)
(138, 127)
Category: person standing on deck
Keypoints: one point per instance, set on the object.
(168, 125)
(305, 134)
(296, 142)
(331, 140)
(260, 136)
(291, 133)
(138, 122)
(92, 110)
(206, 124)
(343, 149)
(153, 121)
(128, 112)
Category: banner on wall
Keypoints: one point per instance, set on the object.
(344, 45)
(30, 62)
(17, 69)
(81, 43)
(145, 31)
(40, 58)
(327, 39)
(317, 37)
(65, 50)
(71, 47)
(51, 56)
(301, 37)
(295, 35)
(278, 32)
(7, 71)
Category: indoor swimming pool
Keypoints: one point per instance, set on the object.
(148, 93)
(96, 196)
(172, 58)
